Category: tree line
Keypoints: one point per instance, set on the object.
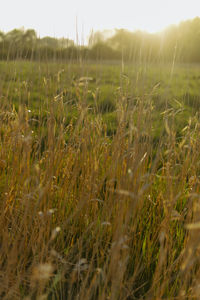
(177, 42)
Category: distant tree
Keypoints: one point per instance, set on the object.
(30, 36)
(65, 43)
(48, 41)
(133, 45)
(180, 42)
(15, 36)
(102, 50)
(99, 37)
(95, 38)
(1, 36)
(193, 40)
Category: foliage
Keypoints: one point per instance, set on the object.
(179, 43)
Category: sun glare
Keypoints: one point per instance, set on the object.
(66, 18)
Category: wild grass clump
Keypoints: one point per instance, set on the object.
(87, 215)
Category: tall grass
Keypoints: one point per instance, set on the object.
(86, 215)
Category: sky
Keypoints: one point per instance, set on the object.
(76, 19)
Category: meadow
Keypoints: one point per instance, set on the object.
(99, 180)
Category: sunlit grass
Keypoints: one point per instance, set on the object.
(98, 203)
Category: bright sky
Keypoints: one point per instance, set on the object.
(63, 18)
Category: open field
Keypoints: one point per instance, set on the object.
(36, 84)
(99, 181)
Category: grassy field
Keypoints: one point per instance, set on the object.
(99, 87)
(99, 181)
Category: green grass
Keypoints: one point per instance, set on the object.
(34, 84)
(99, 179)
